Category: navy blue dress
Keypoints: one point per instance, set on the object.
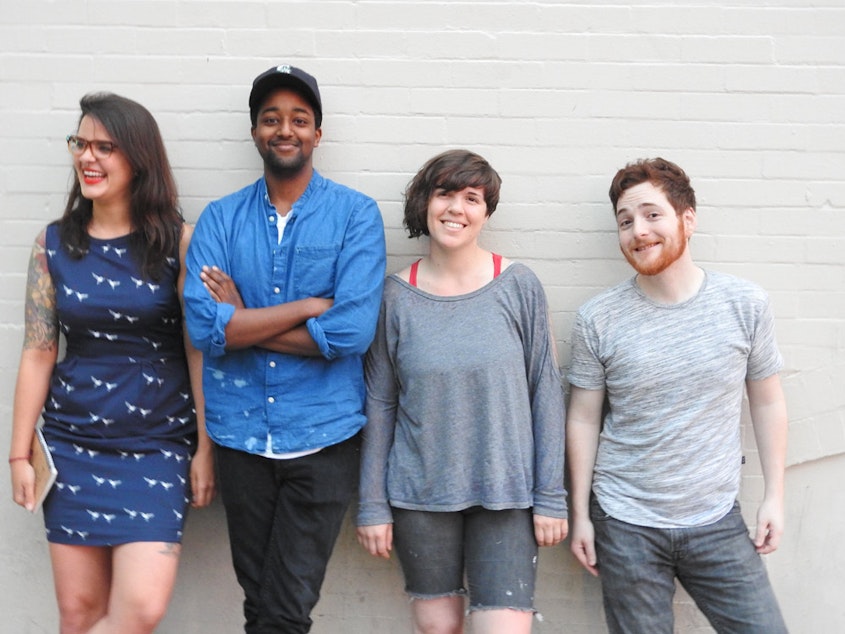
(119, 415)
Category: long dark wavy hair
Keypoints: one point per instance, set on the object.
(154, 206)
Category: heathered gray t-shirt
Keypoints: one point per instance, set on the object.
(464, 402)
(670, 452)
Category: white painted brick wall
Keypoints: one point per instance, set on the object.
(748, 97)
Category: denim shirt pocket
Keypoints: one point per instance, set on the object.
(315, 270)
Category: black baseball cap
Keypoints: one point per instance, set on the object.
(285, 76)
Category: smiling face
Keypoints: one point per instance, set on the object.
(285, 132)
(652, 235)
(104, 181)
(455, 218)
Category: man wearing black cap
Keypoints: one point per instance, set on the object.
(282, 295)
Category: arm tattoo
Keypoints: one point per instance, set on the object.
(171, 549)
(41, 329)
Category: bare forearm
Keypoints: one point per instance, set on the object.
(297, 341)
(262, 326)
(581, 448)
(770, 431)
(583, 425)
(769, 417)
(30, 394)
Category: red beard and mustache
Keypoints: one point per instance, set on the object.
(671, 251)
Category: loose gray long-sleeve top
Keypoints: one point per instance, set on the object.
(464, 402)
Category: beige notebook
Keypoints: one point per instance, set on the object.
(45, 470)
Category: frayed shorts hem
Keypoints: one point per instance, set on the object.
(413, 596)
(487, 608)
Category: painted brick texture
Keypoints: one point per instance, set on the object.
(748, 97)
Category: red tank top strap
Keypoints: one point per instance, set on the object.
(412, 275)
(497, 264)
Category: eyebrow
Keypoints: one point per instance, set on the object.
(640, 206)
(277, 109)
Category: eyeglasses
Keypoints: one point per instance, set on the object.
(100, 149)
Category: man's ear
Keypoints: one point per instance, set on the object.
(690, 221)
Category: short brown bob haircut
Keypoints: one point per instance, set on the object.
(663, 174)
(451, 171)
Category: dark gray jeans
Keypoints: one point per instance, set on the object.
(717, 565)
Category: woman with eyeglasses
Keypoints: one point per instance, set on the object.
(122, 410)
(462, 459)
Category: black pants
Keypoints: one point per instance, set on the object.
(284, 517)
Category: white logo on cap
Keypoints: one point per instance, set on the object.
(284, 68)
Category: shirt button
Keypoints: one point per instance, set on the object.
(271, 218)
(271, 400)
(272, 364)
(276, 290)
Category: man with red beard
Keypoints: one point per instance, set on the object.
(654, 484)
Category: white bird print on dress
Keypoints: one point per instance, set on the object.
(109, 517)
(99, 480)
(113, 283)
(131, 513)
(100, 278)
(151, 482)
(115, 483)
(148, 516)
(138, 283)
(94, 514)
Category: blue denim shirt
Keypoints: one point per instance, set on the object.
(333, 246)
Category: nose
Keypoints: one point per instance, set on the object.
(284, 128)
(89, 150)
(454, 204)
(640, 226)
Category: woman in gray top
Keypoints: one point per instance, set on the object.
(463, 448)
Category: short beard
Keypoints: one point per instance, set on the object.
(282, 169)
(667, 258)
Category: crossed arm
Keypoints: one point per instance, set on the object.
(250, 326)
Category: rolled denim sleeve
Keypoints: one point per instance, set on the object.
(206, 319)
(348, 327)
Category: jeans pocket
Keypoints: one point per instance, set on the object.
(597, 513)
